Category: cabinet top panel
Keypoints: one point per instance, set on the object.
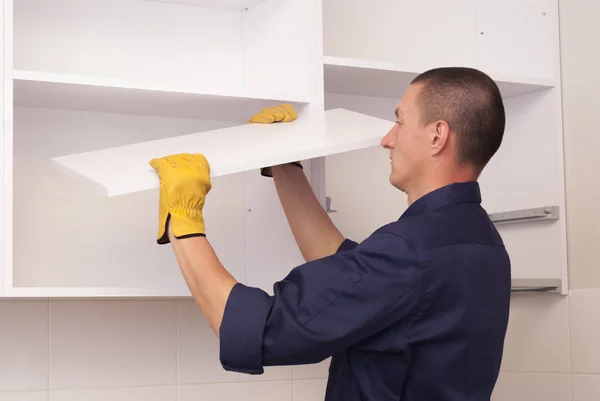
(51, 90)
(123, 170)
(390, 80)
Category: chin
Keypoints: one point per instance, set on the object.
(397, 184)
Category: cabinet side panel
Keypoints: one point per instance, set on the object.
(279, 42)
(358, 182)
(130, 40)
(67, 235)
(2, 146)
(416, 34)
(6, 144)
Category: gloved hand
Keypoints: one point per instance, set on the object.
(184, 184)
(282, 113)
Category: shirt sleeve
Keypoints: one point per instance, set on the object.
(347, 245)
(322, 307)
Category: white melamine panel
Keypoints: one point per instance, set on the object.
(53, 90)
(527, 172)
(358, 182)
(384, 79)
(518, 37)
(418, 34)
(527, 169)
(280, 48)
(228, 150)
(5, 113)
(134, 39)
(271, 249)
(67, 236)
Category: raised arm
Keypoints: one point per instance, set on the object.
(318, 310)
(315, 233)
(322, 307)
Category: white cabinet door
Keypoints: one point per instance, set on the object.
(6, 134)
(518, 37)
(271, 250)
(3, 101)
(67, 236)
(357, 182)
(416, 34)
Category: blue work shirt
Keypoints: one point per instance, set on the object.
(416, 312)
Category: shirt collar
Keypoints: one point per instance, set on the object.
(460, 192)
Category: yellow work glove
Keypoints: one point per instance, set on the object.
(282, 113)
(184, 184)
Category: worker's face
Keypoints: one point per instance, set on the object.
(407, 142)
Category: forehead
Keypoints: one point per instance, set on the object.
(407, 106)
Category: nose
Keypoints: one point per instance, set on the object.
(387, 141)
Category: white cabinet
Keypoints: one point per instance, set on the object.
(518, 38)
(373, 49)
(92, 89)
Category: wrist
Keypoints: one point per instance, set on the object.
(288, 167)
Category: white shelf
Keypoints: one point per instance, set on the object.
(54, 90)
(224, 4)
(537, 285)
(389, 80)
(123, 170)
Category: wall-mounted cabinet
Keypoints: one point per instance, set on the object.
(372, 53)
(92, 89)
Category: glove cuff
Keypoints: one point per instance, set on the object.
(182, 227)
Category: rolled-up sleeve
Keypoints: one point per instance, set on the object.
(321, 307)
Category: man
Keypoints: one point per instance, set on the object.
(416, 312)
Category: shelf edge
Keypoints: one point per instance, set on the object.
(536, 285)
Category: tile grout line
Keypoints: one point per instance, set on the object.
(570, 334)
(208, 383)
(177, 310)
(49, 395)
(536, 372)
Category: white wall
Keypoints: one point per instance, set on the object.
(163, 350)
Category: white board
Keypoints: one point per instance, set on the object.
(390, 80)
(125, 169)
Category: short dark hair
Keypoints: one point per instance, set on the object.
(471, 102)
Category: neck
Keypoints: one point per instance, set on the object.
(439, 179)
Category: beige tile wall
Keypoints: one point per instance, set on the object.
(164, 351)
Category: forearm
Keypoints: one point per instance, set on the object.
(208, 280)
(315, 233)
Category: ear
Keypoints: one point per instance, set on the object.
(440, 136)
